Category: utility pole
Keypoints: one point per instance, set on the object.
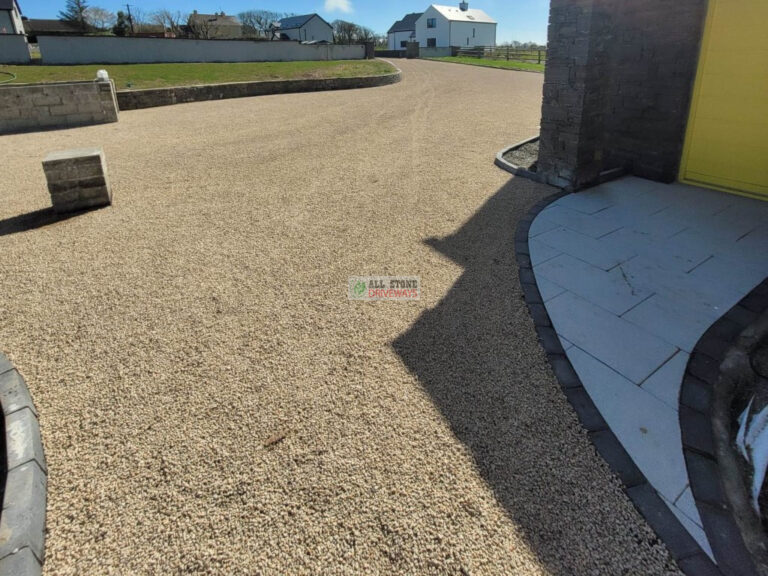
(130, 18)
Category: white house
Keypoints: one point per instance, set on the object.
(306, 28)
(443, 26)
(10, 18)
(402, 32)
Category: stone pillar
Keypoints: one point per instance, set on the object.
(370, 49)
(575, 93)
(77, 179)
(412, 50)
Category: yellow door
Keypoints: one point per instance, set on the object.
(726, 145)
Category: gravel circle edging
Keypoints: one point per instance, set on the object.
(154, 97)
(22, 523)
(705, 398)
(690, 557)
(513, 168)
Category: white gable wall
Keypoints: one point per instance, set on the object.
(314, 30)
(451, 33)
(10, 22)
(395, 38)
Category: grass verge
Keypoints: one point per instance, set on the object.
(505, 64)
(137, 76)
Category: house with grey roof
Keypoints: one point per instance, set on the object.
(305, 28)
(210, 26)
(402, 32)
(10, 18)
(462, 26)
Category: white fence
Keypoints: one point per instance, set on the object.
(13, 49)
(114, 50)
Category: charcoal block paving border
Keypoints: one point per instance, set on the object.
(22, 521)
(691, 559)
(504, 164)
(698, 397)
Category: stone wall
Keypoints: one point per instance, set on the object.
(28, 107)
(116, 50)
(617, 88)
(13, 49)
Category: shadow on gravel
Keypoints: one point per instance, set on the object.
(34, 220)
(477, 355)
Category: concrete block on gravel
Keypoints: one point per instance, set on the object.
(77, 179)
(14, 394)
(22, 523)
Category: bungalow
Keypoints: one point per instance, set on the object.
(614, 100)
(444, 26)
(402, 32)
(10, 18)
(34, 27)
(306, 28)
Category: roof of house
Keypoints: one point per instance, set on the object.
(37, 26)
(293, 22)
(7, 4)
(407, 24)
(457, 15)
(214, 19)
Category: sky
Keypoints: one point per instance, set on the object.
(523, 20)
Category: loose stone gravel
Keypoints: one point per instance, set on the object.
(210, 400)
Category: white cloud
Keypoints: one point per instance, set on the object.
(338, 6)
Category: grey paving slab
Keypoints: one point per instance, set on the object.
(548, 289)
(541, 225)
(751, 249)
(647, 428)
(693, 528)
(541, 252)
(607, 289)
(589, 201)
(673, 319)
(687, 505)
(601, 254)
(623, 346)
(658, 249)
(590, 225)
(567, 344)
(665, 383)
(730, 274)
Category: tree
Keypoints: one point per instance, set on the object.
(75, 13)
(99, 18)
(170, 21)
(258, 22)
(344, 32)
(122, 27)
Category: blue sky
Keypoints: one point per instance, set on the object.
(524, 20)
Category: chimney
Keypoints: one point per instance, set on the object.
(464, 6)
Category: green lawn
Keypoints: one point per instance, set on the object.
(506, 64)
(138, 76)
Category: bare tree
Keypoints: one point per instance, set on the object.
(170, 21)
(258, 22)
(344, 32)
(99, 18)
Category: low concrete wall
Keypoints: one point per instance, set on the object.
(13, 49)
(114, 50)
(436, 52)
(136, 99)
(29, 107)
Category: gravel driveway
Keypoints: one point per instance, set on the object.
(210, 400)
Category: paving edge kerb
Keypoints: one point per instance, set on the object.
(705, 419)
(514, 168)
(691, 559)
(153, 97)
(22, 522)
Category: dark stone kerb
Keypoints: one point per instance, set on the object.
(153, 97)
(705, 422)
(22, 522)
(514, 168)
(691, 559)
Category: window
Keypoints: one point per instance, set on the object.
(431, 42)
(431, 22)
(473, 32)
(403, 43)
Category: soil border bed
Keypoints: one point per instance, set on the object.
(24, 477)
(691, 559)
